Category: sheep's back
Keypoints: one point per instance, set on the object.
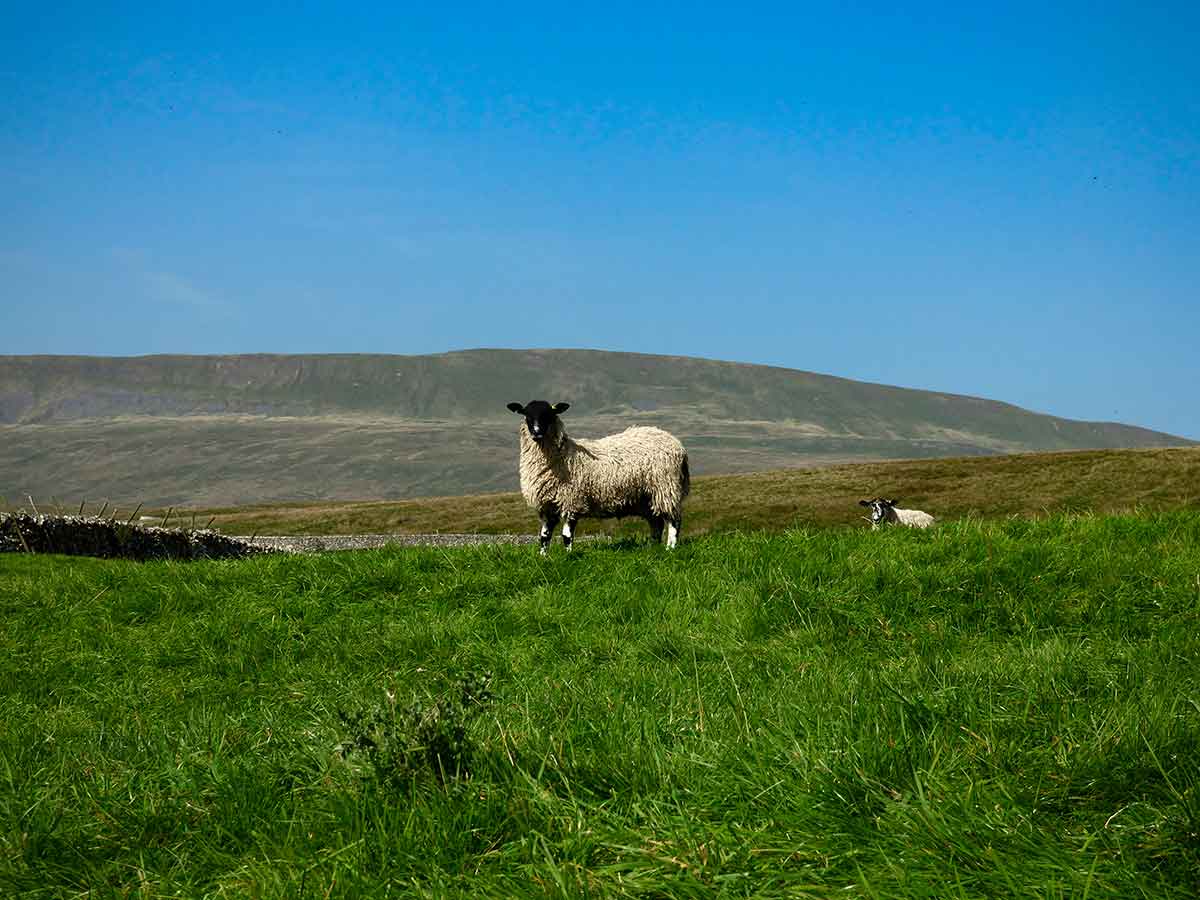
(914, 518)
(639, 462)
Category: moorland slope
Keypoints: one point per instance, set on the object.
(233, 430)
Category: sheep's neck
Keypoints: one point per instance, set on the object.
(549, 457)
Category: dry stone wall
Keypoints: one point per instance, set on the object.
(107, 538)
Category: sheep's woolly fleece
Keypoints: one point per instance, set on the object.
(913, 518)
(610, 476)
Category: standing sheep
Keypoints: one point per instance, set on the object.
(639, 472)
(885, 511)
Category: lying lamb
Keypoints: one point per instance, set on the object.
(885, 511)
(641, 471)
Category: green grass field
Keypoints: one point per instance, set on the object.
(987, 709)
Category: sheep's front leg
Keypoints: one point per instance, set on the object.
(549, 521)
(569, 530)
(673, 526)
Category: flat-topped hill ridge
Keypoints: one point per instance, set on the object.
(209, 430)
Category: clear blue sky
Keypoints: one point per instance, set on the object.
(1000, 201)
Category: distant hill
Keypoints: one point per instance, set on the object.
(212, 430)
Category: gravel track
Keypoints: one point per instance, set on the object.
(324, 542)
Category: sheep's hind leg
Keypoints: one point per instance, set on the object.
(549, 520)
(656, 528)
(569, 530)
(673, 526)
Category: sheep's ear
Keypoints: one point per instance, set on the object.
(560, 408)
(864, 502)
(517, 408)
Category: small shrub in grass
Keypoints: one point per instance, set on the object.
(424, 739)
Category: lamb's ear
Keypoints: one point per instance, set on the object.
(864, 502)
(517, 408)
(560, 408)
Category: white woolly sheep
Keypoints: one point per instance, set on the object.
(884, 511)
(640, 471)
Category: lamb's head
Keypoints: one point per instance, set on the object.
(541, 419)
(881, 507)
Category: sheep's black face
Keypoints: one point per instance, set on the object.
(879, 508)
(540, 416)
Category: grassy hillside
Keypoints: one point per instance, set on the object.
(1028, 484)
(986, 709)
(238, 429)
(235, 460)
(471, 384)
